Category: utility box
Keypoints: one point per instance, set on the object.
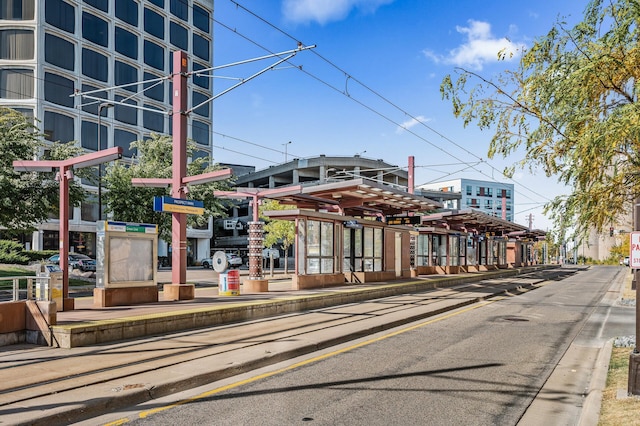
(126, 263)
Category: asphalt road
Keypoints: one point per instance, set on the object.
(479, 365)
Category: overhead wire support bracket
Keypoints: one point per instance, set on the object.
(290, 54)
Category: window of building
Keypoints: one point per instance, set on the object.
(27, 112)
(58, 89)
(199, 154)
(95, 65)
(58, 127)
(59, 52)
(123, 113)
(469, 190)
(127, 11)
(153, 55)
(16, 44)
(125, 74)
(201, 47)
(200, 80)
(95, 29)
(159, 3)
(201, 18)
(153, 23)
(488, 204)
(16, 83)
(196, 99)
(103, 5)
(200, 132)
(489, 192)
(179, 8)
(90, 105)
(153, 89)
(179, 36)
(89, 135)
(89, 213)
(123, 139)
(61, 15)
(153, 120)
(17, 10)
(126, 43)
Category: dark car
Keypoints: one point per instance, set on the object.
(76, 261)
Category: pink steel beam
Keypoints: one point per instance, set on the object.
(255, 194)
(66, 174)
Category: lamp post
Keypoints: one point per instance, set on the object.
(100, 107)
(285, 150)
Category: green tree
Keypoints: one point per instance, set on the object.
(154, 160)
(278, 231)
(27, 198)
(570, 109)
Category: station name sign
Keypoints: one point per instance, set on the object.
(177, 205)
(404, 220)
(143, 228)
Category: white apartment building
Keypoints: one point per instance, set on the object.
(51, 49)
(488, 197)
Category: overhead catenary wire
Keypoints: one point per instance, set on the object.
(349, 76)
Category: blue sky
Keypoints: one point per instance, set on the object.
(372, 84)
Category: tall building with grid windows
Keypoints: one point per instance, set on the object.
(485, 196)
(51, 49)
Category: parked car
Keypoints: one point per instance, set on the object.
(625, 261)
(233, 260)
(76, 261)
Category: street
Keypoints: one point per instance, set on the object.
(483, 364)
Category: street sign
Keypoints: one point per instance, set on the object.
(634, 250)
(177, 205)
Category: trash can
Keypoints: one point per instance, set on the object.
(229, 283)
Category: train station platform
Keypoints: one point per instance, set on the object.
(88, 325)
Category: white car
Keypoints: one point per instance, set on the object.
(233, 260)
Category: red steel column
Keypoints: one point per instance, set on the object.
(179, 117)
(67, 303)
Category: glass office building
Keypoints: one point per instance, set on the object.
(51, 49)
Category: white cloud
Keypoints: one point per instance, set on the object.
(323, 11)
(480, 48)
(411, 123)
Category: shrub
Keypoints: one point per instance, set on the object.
(11, 252)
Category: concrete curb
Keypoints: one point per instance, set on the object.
(593, 402)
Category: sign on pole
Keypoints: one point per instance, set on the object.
(634, 250)
(177, 205)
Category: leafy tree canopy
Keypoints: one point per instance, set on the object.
(154, 160)
(277, 231)
(570, 109)
(27, 198)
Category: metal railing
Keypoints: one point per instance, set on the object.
(26, 287)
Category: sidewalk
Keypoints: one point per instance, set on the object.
(40, 385)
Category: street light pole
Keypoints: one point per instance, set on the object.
(102, 105)
(285, 150)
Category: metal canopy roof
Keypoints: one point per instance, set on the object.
(472, 220)
(358, 197)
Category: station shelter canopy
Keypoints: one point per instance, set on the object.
(475, 221)
(358, 198)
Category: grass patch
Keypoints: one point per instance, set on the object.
(17, 271)
(616, 411)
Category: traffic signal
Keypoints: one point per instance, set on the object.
(611, 231)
